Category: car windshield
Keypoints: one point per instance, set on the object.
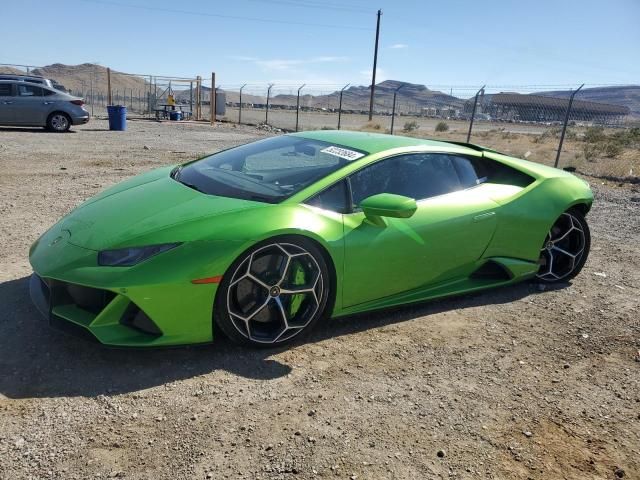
(269, 170)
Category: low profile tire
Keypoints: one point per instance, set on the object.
(274, 293)
(58, 122)
(565, 249)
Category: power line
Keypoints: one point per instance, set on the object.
(309, 4)
(218, 15)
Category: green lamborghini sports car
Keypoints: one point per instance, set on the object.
(263, 241)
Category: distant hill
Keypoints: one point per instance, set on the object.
(357, 97)
(78, 78)
(626, 96)
(413, 97)
(11, 71)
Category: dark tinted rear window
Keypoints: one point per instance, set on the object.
(28, 90)
(5, 89)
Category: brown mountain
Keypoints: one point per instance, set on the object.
(79, 78)
(414, 97)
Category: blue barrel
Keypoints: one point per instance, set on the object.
(175, 115)
(117, 117)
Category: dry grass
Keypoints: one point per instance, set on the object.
(598, 152)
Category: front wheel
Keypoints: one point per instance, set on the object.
(565, 249)
(273, 293)
(58, 122)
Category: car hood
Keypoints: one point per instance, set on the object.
(151, 208)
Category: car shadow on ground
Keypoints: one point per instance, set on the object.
(37, 361)
(32, 130)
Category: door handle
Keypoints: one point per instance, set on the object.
(47, 103)
(483, 216)
(7, 103)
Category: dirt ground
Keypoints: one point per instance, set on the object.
(514, 383)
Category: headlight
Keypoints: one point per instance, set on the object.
(127, 257)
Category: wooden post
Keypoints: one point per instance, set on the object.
(198, 97)
(109, 86)
(212, 101)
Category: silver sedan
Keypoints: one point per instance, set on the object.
(27, 105)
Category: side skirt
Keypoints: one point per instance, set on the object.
(514, 271)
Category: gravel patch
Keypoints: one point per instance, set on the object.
(517, 383)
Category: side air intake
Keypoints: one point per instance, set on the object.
(491, 270)
(134, 317)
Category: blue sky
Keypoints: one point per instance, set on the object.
(446, 42)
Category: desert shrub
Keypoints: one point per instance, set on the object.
(627, 138)
(442, 127)
(612, 150)
(571, 134)
(410, 126)
(591, 151)
(547, 134)
(372, 126)
(326, 127)
(594, 135)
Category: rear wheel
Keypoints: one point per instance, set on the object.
(58, 122)
(273, 293)
(565, 249)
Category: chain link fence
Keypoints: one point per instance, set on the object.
(539, 122)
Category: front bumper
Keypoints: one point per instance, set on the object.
(151, 304)
(114, 318)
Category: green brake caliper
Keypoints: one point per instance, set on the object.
(298, 279)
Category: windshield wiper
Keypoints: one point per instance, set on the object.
(261, 198)
(193, 186)
(175, 172)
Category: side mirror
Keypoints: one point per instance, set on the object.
(387, 205)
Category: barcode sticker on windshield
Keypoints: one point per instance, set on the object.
(343, 153)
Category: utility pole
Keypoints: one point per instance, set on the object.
(375, 65)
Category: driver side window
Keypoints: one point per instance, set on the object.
(27, 90)
(416, 176)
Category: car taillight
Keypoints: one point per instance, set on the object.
(77, 102)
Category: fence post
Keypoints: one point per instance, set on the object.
(240, 109)
(473, 113)
(298, 105)
(393, 110)
(212, 99)
(109, 86)
(564, 126)
(198, 97)
(266, 114)
(340, 105)
(191, 97)
(91, 87)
